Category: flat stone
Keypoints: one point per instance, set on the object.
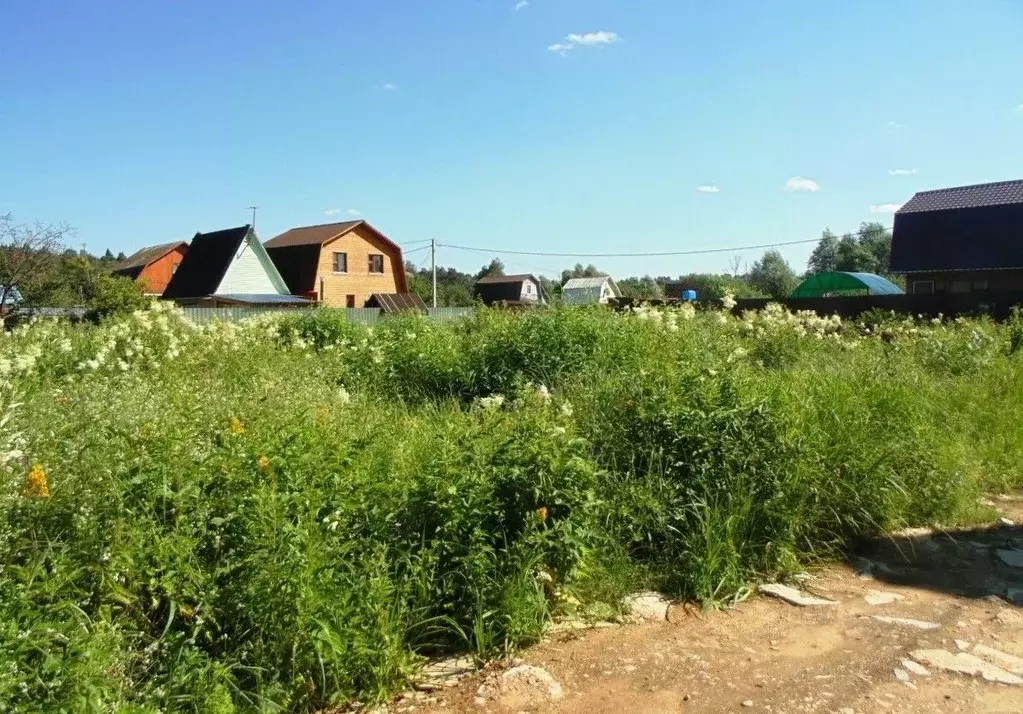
(1006, 522)
(901, 674)
(748, 703)
(793, 596)
(918, 624)
(877, 597)
(446, 668)
(963, 645)
(915, 668)
(1012, 558)
(647, 606)
(1008, 662)
(968, 664)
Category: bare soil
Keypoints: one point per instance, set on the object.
(768, 656)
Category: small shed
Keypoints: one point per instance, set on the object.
(391, 303)
(578, 291)
(509, 290)
(835, 283)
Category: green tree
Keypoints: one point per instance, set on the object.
(121, 257)
(773, 276)
(579, 271)
(824, 258)
(645, 288)
(495, 267)
(108, 257)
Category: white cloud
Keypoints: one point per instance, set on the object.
(522, 4)
(886, 208)
(798, 183)
(353, 212)
(896, 125)
(332, 211)
(390, 87)
(587, 39)
(707, 188)
(902, 172)
(593, 38)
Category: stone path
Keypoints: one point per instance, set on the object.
(921, 623)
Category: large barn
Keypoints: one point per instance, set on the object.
(960, 240)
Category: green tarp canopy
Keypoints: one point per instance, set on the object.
(833, 284)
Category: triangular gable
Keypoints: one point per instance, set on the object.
(251, 271)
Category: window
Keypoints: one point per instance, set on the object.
(340, 262)
(980, 285)
(923, 287)
(349, 301)
(960, 286)
(376, 263)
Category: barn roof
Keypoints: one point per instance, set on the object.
(504, 279)
(143, 257)
(978, 196)
(313, 235)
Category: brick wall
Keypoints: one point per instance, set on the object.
(358, 282)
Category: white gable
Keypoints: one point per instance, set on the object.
(246, 275)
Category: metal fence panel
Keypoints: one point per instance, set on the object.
(358, 315)
(448, 314)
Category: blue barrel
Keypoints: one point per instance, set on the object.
(689, 295)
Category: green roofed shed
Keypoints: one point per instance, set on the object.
(833, 284)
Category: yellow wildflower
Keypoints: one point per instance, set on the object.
(36, 485)
(237, 426)
(541, 513)
(264, 463)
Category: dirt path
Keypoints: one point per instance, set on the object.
(769, 656)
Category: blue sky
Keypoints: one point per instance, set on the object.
(560, 126)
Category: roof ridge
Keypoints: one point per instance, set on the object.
(325, 225)
(972, 185)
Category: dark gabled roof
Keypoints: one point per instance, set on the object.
(205, 263)
(315, 235)
(397, 302)
(949, 199)
(297, 264)
(505, 279)
(138, 260)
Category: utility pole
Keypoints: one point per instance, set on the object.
(433, 268)
(253, 209)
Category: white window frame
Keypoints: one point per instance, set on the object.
(333, 263)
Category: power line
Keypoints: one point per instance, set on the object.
(415, 250)
(704, 251)
(415, 242)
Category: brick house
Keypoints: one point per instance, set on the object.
(961, 240)
(339, 264)
(154, 266)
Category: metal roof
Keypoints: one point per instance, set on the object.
(397, 302)
(262, 299)
(585, 282)
(498, 279)
(144, 256)
(959, 197)
(312, 235)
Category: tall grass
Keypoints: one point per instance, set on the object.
(290, 514)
